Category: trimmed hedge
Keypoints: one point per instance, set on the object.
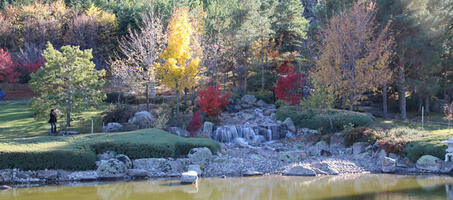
(416, 149)
(326, 120)
(79, 152)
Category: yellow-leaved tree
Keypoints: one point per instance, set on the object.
(182, 56)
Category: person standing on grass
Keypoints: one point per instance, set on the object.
(53, 121)
(2, 94)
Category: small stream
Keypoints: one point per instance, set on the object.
(358, 186)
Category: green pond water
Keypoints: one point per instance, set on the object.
(363, 186)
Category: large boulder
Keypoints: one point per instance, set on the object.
(319, 147)
(5, 187)
(207, 129)
(293, 156)
(337, 141)
(261, 103)
(83, 176)
(429, 163)
(6, 175)
(196, 168)
(247, 101)
(137, 173)
(124, 159)
(113, 127)
(290, 125)
(152, 164)
(50, 175)
(300, 171)
(359, 147)
(388, 165)
(142, 119)
(178, 131)
(189, 177)
(112, 168)
(199, 156)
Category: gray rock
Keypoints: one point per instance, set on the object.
(112, 127)
(318, 147)
(152, 164)
(447, 168)
(380, 155)
(252, 173)
(290, 125)
(178, 165)
(6, 175)
(47, 174)
(189, 177)
(429, 163)
(83, 176)
(404, 162)
(124, 159)
(142, 119)
(112, 168)
(306, 131)
(207, 128)
(293, 156)
(300, 171)
(5, 187)
(106, 155)
(247, 101)
(247, 116)
(388, 165)
(363, 156)
(67, 133)
(137, 173)
(337, 141)
(178, 131)
(261, 103)
(194, 168)
(241, 142)
(268, 112)
(199, 156)
(359, 147)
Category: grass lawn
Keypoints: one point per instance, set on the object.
(17, 121)
(419, 141)
(79, 152)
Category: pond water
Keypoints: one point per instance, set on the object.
(362, 186)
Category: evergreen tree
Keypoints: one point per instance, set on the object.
(67, 81)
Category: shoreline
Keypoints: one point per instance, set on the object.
(277, 158)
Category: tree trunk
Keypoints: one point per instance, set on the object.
(245, 84)
(384, 101)
(343, 102)
(419, 103)
(427, 104)
(262, 64)
(68, 109)
(147, 96)
(402, 92)
(177, 103)
(351, 101)
(152, 89)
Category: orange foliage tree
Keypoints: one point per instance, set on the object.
(354, 55)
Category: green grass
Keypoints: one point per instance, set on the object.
(79, 152)
(419, 141)
(17, 121)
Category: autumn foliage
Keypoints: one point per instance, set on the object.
(212, 102)
(196, 122)
(288, 88)
(7, 67)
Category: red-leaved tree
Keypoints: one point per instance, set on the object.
(289, 88)
(8, 71)
(212, 102)
(24, 69)
(196, 123)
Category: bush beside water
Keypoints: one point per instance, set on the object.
(326, 120)
(79, 152)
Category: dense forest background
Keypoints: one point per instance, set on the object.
(393, 53)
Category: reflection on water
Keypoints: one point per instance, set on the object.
(364, 186)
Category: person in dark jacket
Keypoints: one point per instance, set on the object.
(2, 94)
(53, 121)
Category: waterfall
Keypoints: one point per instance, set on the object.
(250, 133)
